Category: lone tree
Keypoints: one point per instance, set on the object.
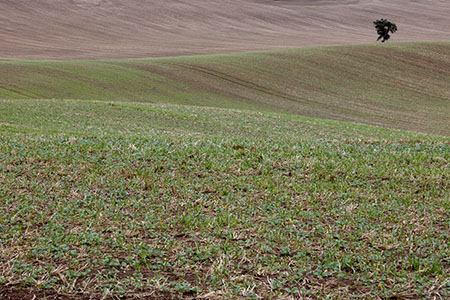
(384, 27)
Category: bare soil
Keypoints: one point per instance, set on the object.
(92, 29)
(13, 293)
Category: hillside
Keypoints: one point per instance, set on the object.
(400, 85)
(69, 29)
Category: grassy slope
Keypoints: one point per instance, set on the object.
(402, 85)
(80, 117)
(109, 198)
(105, 198)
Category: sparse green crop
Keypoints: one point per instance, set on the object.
(238, 197)
(105, 199)
(400, 85)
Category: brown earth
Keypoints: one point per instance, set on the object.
(13, 293)
(76, 29)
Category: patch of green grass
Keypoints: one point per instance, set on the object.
(136, 199)
(81, 117)
(400, 85)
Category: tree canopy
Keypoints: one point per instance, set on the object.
(384, 28)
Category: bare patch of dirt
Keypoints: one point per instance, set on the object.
(10, 293)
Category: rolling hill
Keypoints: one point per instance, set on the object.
(400, 85)
(69, 29)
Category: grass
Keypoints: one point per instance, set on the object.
(103, 199)
(400, 85)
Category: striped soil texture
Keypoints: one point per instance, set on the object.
(80, 29)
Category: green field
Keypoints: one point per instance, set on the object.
(402, 85)
(236, 195)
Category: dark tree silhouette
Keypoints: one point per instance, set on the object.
(384, 27)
